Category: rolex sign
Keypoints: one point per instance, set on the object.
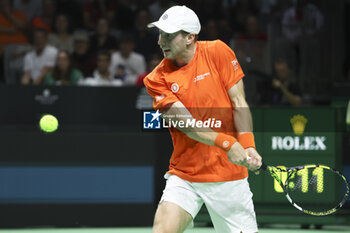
(298, 141)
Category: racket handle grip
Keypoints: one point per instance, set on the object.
(263, 166)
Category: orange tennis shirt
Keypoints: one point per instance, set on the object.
(202, 87)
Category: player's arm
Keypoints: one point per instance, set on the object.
(177, 112)
(243, 123)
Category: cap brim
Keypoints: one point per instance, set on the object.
(164, 27)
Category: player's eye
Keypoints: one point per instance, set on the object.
(167, 36)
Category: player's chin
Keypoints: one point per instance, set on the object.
(168, 55)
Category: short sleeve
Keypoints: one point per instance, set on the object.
(227, 64)
(159, 91)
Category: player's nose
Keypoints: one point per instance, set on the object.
(160, 41)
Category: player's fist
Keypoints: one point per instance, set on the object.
(236, 154)
(254, 160)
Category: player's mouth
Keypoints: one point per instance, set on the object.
(166, 50)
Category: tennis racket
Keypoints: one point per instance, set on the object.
(317, 190)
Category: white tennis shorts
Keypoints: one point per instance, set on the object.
(229, 204)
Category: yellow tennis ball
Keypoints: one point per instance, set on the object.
(48, 123)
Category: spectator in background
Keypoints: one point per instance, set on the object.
(239, 13)
(225, 30)
(126, 64)
(97, 9)
(61, 37)
(101, 39)
(151, 64)
(102, 75)
(81, 58)
(31, 8)
(47, 18)
(252, 30)
(217, 29)
(124, 15)
(281, 90)
(13, 25)
(210, 30)
(73, 10)
(39, 62)
(157, 8)
(63, 73)
(251, 49)
(13, 29)
(301, 28)
(302, 19)
(144, 38)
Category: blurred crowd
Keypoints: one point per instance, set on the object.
(107, 42)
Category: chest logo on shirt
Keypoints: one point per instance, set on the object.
(200, 77)
(174, 87)
(235, 64)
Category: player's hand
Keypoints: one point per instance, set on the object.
(254, 160)
(237, 154)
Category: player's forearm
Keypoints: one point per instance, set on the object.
(242, 116)
(177, 112)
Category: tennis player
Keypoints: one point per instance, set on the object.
(202, 81)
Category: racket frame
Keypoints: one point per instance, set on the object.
(291, 171)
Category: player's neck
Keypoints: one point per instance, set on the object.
(186, 57)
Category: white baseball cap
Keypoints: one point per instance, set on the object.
(178, 18)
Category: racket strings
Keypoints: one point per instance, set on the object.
(316, 189)
(299, 184)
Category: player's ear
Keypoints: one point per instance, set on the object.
(190, 38)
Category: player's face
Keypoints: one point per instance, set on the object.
(173, 45)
